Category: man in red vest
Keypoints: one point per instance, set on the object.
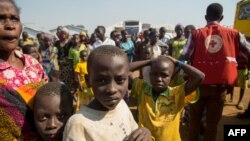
(213, 50)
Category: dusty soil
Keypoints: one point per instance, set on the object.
(229, 115)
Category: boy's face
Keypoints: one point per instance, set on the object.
(187, 32)
(179, 30)
(160, 75)
(147, 53)
(108, 77)
(51, 114)
(153, 39)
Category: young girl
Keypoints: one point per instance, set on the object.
(175, 49)
(147, 54)
(127, 45)
(159, 105)
(49, 55)
(107, 117)
(84, 94)
(33, 51)
(53, 105)
(74, 51)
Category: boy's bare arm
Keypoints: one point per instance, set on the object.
(135, 66)
(195, 75)
(138, 64)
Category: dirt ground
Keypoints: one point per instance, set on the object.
(229, 113)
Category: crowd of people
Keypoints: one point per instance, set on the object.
(79, 87)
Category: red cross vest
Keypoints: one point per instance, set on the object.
(216, 48)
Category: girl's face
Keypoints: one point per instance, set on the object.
(51, 113)
(76, 40)
(84, 55)
(47, 43)
(108, 78)
(10, 26)
(34, 52)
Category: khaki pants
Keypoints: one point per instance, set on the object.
(212, 98)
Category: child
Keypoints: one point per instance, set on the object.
(53, 106)
(107, 117)
(33, 51)
(54, 76)
(84, 94)
(127, 45)
(147, 54)
(48, 53)
(243, 72)
(159, 105)
(175, 49)
(188, 30)
(74, 51)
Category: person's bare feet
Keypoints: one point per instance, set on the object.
(240, 107)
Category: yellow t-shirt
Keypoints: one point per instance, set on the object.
(177, 47)
(161, 117)
(83, 98)
(81, 68)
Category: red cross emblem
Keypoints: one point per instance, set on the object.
(212, 43)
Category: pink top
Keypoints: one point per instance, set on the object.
(15, 77)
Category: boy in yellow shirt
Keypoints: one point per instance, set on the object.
(159, 105)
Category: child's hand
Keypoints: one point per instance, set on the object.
(172, 59)
(81, 89)
(140, 134)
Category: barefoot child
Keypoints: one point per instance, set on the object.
(53, 106)
(159, 105)
(84, 94)
(107, 117)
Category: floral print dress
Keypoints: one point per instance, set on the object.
(17, 89)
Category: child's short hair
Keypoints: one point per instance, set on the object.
(47, 38)
(53, 89)
(105, 50)
(54, 73)
(163, 59)
(153, 32)
(178, 25)
(191, 27)
(26, 48)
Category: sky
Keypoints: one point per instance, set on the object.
(48, 14)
